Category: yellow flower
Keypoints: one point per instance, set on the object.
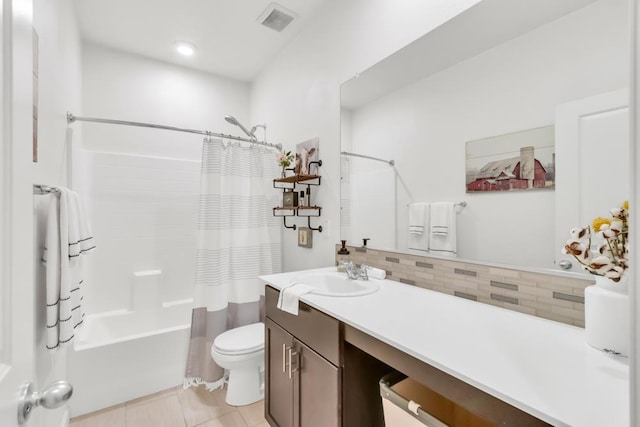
(599, 222)
(625, 204)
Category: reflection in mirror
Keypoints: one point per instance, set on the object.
(502, 66)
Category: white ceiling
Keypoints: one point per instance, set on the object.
(230, 41)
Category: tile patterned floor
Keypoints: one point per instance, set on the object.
(176, 407)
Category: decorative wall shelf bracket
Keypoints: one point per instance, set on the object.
(284, 221)
(319, 229)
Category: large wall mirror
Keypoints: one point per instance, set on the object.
(502, 67)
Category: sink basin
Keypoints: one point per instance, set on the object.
(336, 284)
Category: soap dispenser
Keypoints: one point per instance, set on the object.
(343, 250)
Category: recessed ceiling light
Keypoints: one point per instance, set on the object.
(185, 48)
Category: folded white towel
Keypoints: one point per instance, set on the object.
(86, 240)
(417, 238)
(417, 217)
(376, 273)
(443, 228)
(290, 296)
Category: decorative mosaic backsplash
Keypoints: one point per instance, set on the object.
(544, 295)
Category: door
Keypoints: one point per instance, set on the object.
(592, 163)
(16, 259)
(278, 375)
(319, 387)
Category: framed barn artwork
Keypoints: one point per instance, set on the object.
(523, 160)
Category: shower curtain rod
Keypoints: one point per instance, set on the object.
(71, 119)
(345, 153)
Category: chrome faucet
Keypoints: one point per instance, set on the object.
(354, 272)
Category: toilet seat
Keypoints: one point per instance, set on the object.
(243, 340)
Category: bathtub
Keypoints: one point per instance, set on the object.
(122, 355)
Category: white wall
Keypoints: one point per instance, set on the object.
(59, 91)
(298, 94)
(512, 87)
(124, 86)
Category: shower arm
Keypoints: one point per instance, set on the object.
(264, 128)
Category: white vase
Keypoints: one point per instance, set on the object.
(606, 315)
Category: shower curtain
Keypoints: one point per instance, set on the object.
(237, 240)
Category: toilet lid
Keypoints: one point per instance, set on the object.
(242, 340)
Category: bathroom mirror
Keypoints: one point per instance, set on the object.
(501, 67)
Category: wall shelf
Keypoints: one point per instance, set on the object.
(300, 179)
(290, 183)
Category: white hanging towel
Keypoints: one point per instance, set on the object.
(290, 296)
(443, 228)
(416, 217)
(418, 238)
(65, 243)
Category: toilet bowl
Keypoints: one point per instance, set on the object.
(241, 352)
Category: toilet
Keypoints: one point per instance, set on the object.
(241, 352)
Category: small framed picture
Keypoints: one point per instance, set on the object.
(305, 237)
(290, 199)
(306, 153)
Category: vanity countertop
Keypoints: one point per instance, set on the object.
(540, 366)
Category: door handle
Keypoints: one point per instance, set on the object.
(565, 264)
(53, 396)
(284, 358)
(293, 354)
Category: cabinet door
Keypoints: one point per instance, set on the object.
(279, 401)
(318, 390)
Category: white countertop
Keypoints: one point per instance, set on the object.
(540, 366)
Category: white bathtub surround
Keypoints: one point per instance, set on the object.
(144, 210)
(123, 355)
(146, 290)
(236, 242)
(442, 228)
(68, 239)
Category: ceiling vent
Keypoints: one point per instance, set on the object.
(276, 17)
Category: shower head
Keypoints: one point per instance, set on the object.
(235, 121)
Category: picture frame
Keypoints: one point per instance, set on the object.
(305, 237)
(522, 160)
(289, 199)
(307, 152)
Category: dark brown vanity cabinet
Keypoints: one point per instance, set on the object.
(302, 370)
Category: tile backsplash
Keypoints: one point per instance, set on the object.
(553, 297)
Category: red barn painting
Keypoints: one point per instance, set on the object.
(522, 160)
(517, 173)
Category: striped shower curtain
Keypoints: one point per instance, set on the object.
(238, 239)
